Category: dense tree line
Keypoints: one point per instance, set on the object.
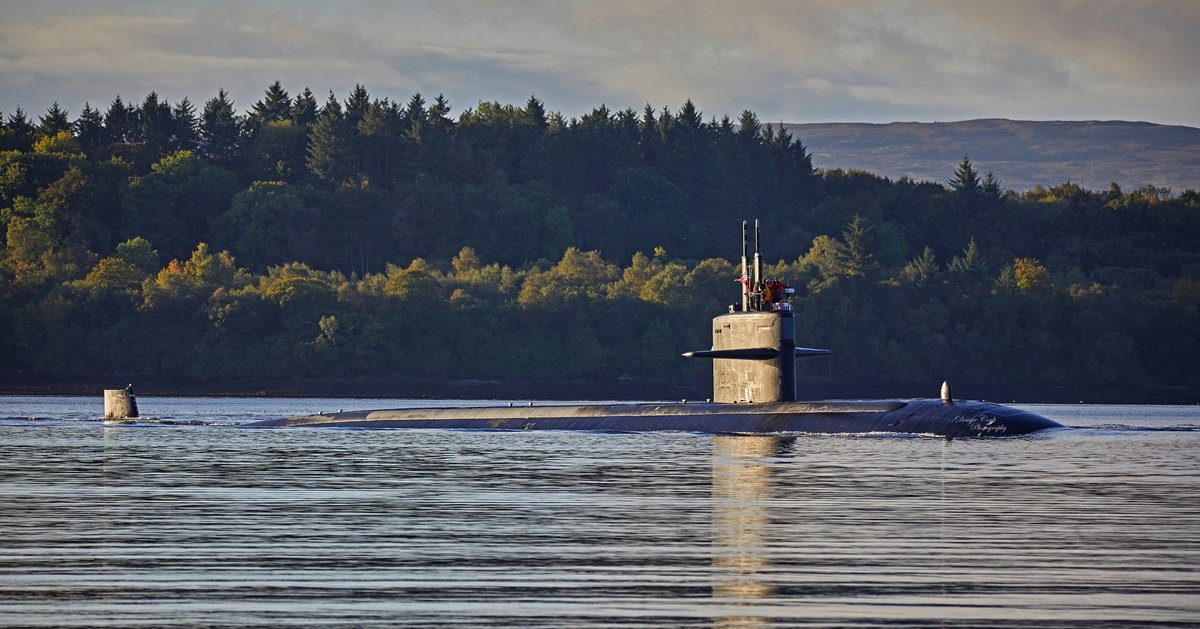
(368, 236)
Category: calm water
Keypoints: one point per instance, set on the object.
(195, 521)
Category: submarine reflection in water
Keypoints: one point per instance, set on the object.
(741, 493)
(794, 537)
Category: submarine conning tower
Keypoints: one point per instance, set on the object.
(754, 349)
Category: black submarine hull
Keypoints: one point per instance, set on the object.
(926, 417)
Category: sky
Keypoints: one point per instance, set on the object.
(790, 61)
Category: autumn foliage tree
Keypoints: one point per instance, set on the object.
(304, 239)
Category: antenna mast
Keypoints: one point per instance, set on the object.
(745, 273)
(757, 263)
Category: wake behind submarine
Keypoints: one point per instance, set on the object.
(754, 392)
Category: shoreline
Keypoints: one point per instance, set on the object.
(471, 389)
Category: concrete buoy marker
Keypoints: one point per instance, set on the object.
(120, 403)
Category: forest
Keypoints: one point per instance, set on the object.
(364, 236)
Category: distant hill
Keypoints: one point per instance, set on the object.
(1022, 154)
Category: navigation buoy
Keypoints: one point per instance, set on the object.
(946, 392)
(120, 403)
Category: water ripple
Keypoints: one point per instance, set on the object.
(196, 525)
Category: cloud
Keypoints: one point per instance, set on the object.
(243, 47)
(820, 60)
(1129, 40)
(1029, 56)
(106, 55)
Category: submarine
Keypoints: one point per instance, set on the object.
(753, 357)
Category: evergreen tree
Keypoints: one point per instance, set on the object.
(304, 109)
(858, 260)
(990, 187)
(535, 114)
(689, 165)
(185, 127)
(666, 127)
(967, 194)
(439, 114)
(275, 106)
(725, 126)
(749, 129)
(798, 168)
(21, 130)
(376, 133)
(328, 144)
(782, 139)
(119, 122)
(433, 151)
(412, 131)
(416, 115)
(156, 129)
(966, 180)
(923, 270)
(89, 128)
(627, 122)
(649, 140)
(54, 121)
(356, 106)
(689, 117)
(220, 130)
(970, 263)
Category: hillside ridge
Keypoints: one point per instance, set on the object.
(1021, 153)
